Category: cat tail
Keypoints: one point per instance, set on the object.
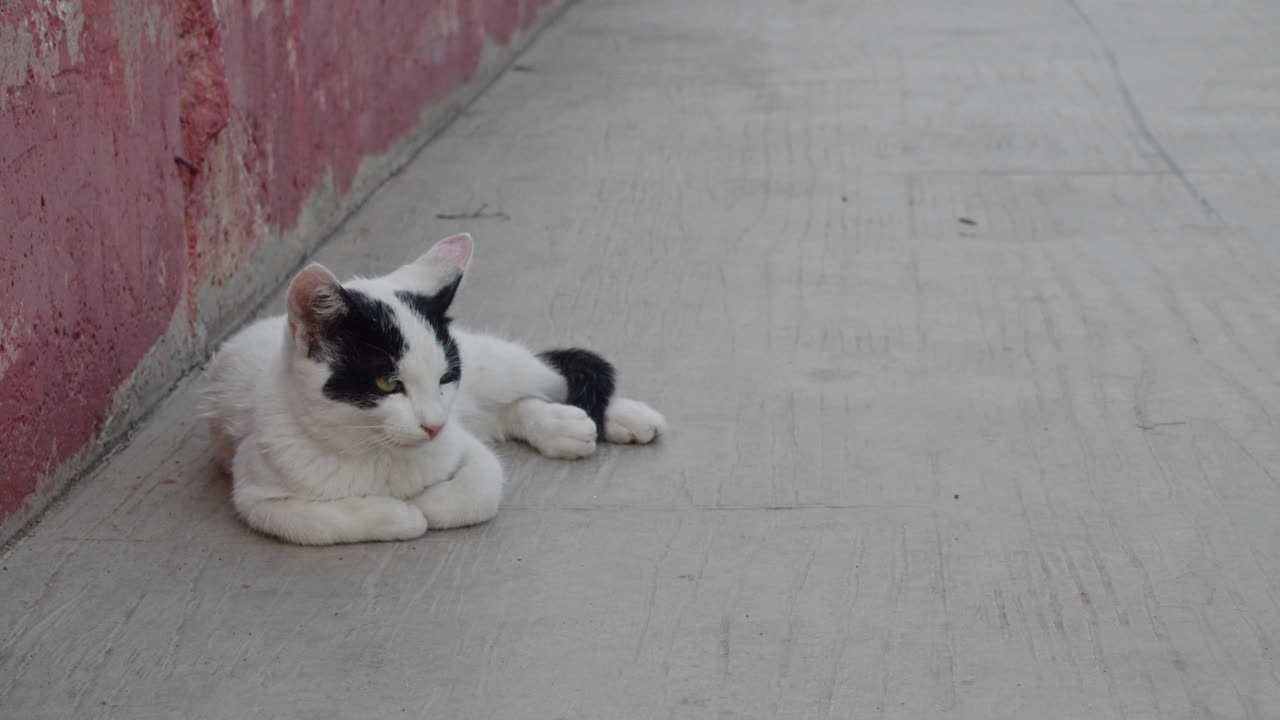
(590, 380)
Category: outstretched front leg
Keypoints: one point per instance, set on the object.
(585, 409)
(553, 429)
(565, 431)
(589, 384)
(471, 496)
(560, 402)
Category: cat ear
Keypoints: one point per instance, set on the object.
(315, 297)
(452, 252)
(441, 268)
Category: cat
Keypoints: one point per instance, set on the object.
(363, 413)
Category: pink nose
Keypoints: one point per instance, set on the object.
(430, 431)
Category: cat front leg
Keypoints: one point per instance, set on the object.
(564, 431)
(471, 496)
(308, 521)
(334, 522)
(587, 394)
(553, 429)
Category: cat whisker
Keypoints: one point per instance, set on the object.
(369, 443)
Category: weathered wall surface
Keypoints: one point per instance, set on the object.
(164, 163)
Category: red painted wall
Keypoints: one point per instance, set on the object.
(148, 150)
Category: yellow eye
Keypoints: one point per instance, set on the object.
(389, 385)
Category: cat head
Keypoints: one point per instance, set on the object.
(372, 363)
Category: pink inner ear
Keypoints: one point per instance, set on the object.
(456, 249)
(303, 289)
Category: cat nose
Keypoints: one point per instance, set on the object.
(430, 430)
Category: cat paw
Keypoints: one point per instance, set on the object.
(387, 518)
(562, 431)
(408, 524)
(629, 421)
(446, 511)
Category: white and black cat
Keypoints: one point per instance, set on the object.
(362, 414)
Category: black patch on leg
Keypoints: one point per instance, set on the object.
(590, 379)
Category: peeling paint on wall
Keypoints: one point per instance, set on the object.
(34, 46)
(137, 27)
(442, 22)
(13, 337)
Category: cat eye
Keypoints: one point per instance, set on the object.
(451, 376)
(389, 385)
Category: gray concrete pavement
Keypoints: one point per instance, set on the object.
(965, 317)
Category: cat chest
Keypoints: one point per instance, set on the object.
(399, 479)
(331, 477)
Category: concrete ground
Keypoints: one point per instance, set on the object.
(966, 320)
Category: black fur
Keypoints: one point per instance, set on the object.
(590, 379)
(432, 309)
(360, 344)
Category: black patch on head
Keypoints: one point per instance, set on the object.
(432, 309)
(590, 379)
(360, 344)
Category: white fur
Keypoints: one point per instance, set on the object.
(314, 471)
